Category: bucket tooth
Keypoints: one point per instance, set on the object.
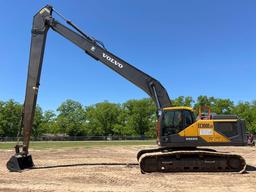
(19, 162)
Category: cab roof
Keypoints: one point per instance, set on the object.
(178, 108)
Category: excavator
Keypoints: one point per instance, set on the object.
(180, 136)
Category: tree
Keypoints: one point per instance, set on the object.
(49, 122)
(219, 106)
(247, 111)
(183, 101)
(253, 124)
(121, 127)
(71, 118)
(37, 128)
(222, 106)
(102, 118)
(134, 117)
(10, 116)
(203, 100)
(140, 115)
(1, 118)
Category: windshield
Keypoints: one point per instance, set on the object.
(172, 119)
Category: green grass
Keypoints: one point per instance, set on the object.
(75, 144)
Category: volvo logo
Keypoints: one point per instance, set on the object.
(112, 60)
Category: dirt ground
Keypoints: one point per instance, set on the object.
(119, 177)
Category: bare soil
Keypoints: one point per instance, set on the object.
(79, 175)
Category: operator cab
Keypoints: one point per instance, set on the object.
(172, 121)
(175, 119)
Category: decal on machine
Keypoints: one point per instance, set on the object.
(105, 56)
(205, 125)
(191, 138)
(205, 132)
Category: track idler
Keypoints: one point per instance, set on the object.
(19, 161)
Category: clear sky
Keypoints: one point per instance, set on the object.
(193, 47)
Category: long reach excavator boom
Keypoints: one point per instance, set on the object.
(42, 22)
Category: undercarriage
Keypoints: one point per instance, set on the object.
(189, 160)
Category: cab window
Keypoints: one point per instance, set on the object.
(188, 118)
(172, 122)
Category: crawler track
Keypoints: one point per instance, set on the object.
(191, 161)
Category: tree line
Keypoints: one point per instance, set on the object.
(131, 118)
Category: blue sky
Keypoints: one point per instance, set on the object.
(193, 48)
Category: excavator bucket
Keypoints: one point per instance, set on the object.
(19, 162)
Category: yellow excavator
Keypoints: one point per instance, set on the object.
(179, 134)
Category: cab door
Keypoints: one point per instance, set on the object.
(190, 132)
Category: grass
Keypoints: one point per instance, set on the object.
(76, 144)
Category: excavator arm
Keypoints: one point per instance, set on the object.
(42, 22)
(150, 85)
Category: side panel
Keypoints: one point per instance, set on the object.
(235, 131)
(208, 133)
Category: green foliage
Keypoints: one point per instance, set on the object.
(49, 122)
(134, 117)
(2, 132)
(247, 111)
(71, 119)
(37, 128)
(121, 127)
(219, 106)
(10, 116)
(222, 106)
(140, 115)
(102, 118)
(203, 101)
(183, 101)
